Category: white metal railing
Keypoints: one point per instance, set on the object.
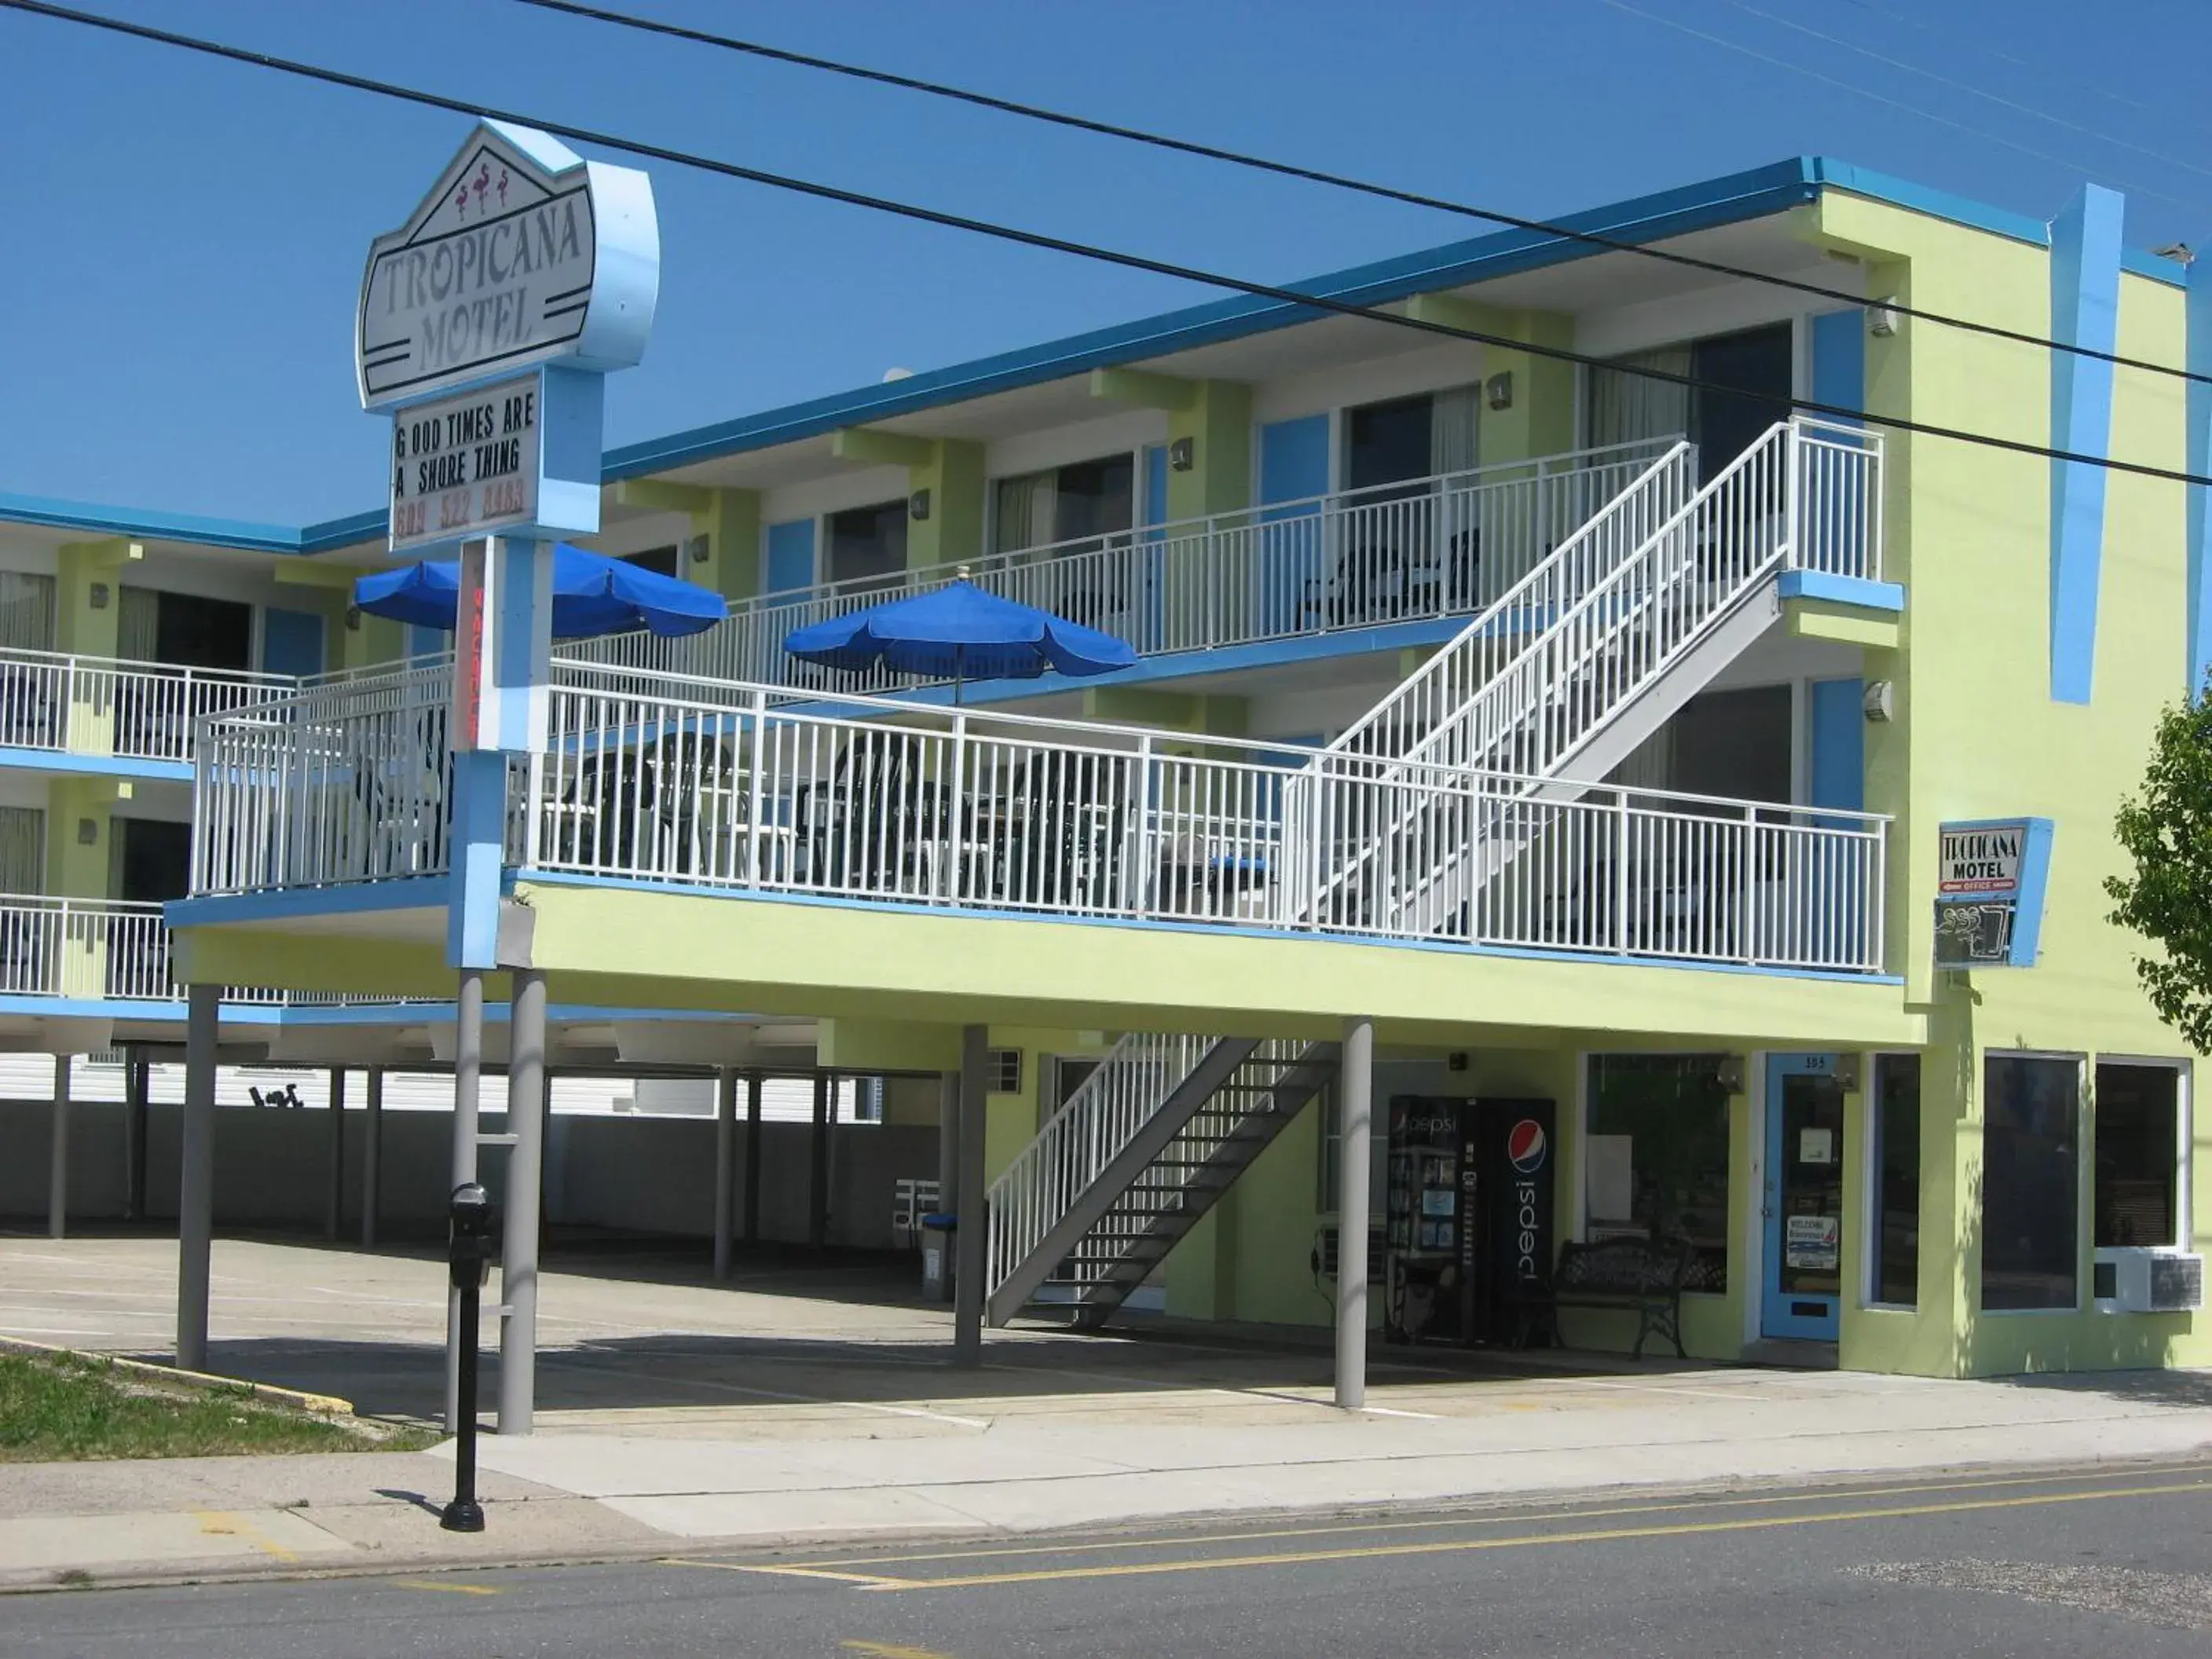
(1427, 547)
(67, 702)
(1076, 1143)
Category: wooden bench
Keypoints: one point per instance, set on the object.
(1645, 1274)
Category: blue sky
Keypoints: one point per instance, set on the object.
(184, 239)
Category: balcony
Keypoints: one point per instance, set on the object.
(1419, 549)
(657, 780)
(63, 703)
(107, 950)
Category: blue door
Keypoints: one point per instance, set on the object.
(291, 642)
(1291, 574)
(1803, 1200)
(790, 555)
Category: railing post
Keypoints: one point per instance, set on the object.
(1620, 871)
(1143, 859)
(1793, 502)
(955, 836)
(754, 788)
(1751, 917)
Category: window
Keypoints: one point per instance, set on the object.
(1750, 381)
(1064, 504)
(185, 630)
(2030, 1181)
(1325, 1176)
(150, 859)
(22, 849)
(1735, 745)
(661, 561)
(867, 542)
(1003, 1067)
(2138, 1126)
(1387, 443)
(1655, 1157)
(1895, 1276)
(26, 612)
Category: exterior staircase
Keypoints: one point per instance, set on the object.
(1132, 1162)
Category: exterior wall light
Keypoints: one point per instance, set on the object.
(353, 619)
(917, 505)
(1847, 1074)
(1730, 1074)
(697, 549)
(1499, 389)
(1183, 454)
(98, 596)
(1880, 702)
(1881, 317)
(88, 832)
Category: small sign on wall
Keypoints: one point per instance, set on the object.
(467, 465)
(1812, 1241)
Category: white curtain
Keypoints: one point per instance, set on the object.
(1625, 408)
(26, 612)
(1026, 505)
(1452, 419)
(137, 624)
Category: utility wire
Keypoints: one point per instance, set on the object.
(1051, 244)
(1318, 176)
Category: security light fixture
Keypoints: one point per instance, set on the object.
(2179, 251)
(1847, 1074)
(1881, 317)
(353, 619)
(1730, 1074)
(1499, 389)
(696, 549)
(99, 596)
(1183, 454)
(88, 832)
(917, 505)
(1879, 701)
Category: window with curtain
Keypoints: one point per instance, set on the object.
(1453, 419)
(22, 849)
(1024, 512)
(1628, 408)
(137, 624)
(868, 543)
(26, 612)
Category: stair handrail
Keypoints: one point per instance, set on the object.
(1077, 1142)
(1666, 475)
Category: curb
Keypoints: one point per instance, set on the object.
(323, 1405)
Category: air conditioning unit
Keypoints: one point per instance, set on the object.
(2150, 1281)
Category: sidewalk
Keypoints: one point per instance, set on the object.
(670, 1479)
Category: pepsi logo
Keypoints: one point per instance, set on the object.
(1525, 1146)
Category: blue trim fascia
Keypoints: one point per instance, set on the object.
(2085, 311)
(282, 904)
(1183, 665)
(147, 523)
(105, 766)
(1833, 589)
(379, 1013)
(1187, 929)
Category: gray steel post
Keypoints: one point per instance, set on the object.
(196, 1176)
(468, 1074)
(968, 1206)
(817, 1163)
(752, 1157)
(725, 1172)
(948, 1140)
(57, 1171)
(134, 1134)
(1356, 1110)
(372, 1157)
(334, 1221)
(526, 1165)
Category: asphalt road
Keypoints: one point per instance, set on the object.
(2111, 1561)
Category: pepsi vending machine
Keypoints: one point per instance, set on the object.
(1468, 1217)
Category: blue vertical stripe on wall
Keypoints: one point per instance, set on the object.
(1838, 744)
(1293, 466)
(1839, 359)
(2085, 311)
(790, 555)
(2199, 496)
(291, 642)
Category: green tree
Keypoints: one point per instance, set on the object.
(2167, 833)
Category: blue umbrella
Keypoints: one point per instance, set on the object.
(958, 631)
(592, 594)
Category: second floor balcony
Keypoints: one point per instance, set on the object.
(1415, 550)
(63, 702)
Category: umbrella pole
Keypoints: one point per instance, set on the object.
(959, 671)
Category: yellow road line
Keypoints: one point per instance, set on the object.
(1471, 1519)
(892, 1651)
(1468, 1546)
(866, 1580)
(449, 1589)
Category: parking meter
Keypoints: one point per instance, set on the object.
(471, 1243)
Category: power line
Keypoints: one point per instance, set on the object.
(1335, 180)
(1051, 244)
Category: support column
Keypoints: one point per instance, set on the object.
(752, 1157)
(468, 1074)
(818, 1162)
(334, 1222)
(1356, 1102)
(968, 1206)
(517, 1273)
(58, 1148)
(948, 1140)
(196, 1176)
(725, 1174)
(135, 1078)
(371, 1159)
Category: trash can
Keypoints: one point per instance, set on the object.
(937, 1231)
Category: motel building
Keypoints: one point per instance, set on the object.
(1668, 825)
